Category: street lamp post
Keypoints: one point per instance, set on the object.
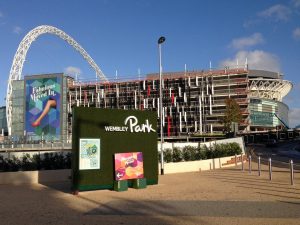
(160, 41)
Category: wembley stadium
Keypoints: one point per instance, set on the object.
(39, 107)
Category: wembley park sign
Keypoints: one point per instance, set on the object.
(133, 126)
(110, 145)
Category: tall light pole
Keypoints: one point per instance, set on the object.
(160, 41)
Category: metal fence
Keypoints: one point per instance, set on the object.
(20, 143)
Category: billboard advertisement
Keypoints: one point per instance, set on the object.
(43, 107)
(129, 166)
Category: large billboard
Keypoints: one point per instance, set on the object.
(43, 107)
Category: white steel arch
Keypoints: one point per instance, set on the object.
(19, 58)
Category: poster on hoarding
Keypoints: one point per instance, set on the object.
(89, 154)
(43, 107)
(129, 166)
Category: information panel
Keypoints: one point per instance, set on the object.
(89, 154)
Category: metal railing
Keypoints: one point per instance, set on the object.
(26, 142)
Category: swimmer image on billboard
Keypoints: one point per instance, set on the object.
(129, 166)
(89, 154)
(43, 107)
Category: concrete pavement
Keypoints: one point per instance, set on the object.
(227, 196)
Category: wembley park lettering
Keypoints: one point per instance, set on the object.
(132, 126)
(116, 128)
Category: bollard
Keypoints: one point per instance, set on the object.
(270, 168)
(259, 169)
(242, 160)
(292, 171)
(250, 166)
(235, 158)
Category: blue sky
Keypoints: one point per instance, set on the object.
(122, 35)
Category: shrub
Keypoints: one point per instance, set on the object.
(50, 161)
(168, 155)
(36, 159)
(27, 163)
(201, 153)
(189, 153)
(220, 150)
(177, 155)
(234, 148)
(209, 152)
(68, 160)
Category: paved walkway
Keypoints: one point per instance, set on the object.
(227, 196)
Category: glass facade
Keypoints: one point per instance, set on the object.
(3, 122)
(263, 113)
(17, 126)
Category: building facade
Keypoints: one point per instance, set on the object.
(193, 101)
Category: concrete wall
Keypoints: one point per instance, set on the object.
(42, 176)
(46, 176)
(201, 165)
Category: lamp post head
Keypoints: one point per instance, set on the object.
(161, 40)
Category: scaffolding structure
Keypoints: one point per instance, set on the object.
(193, 102)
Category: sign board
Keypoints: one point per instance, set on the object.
(43, 106)
(125, 137)
(129, 166)
(89, 154)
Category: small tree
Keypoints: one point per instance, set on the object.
(232, 114)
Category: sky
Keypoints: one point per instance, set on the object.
(121, 37)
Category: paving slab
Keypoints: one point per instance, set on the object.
(226, 196)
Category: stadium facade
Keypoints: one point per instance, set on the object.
(193, 101)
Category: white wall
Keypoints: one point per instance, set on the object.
(201, 165)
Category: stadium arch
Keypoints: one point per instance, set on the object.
(20, 55)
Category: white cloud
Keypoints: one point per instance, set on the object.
(245, 42)
(71, 70)
(296, 33)
(296, 3)
(294, 117)
(256, 59)
(276, 12)
(17, 30)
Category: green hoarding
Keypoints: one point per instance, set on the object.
(98, 134)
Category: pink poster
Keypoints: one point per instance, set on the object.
(129, 166)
